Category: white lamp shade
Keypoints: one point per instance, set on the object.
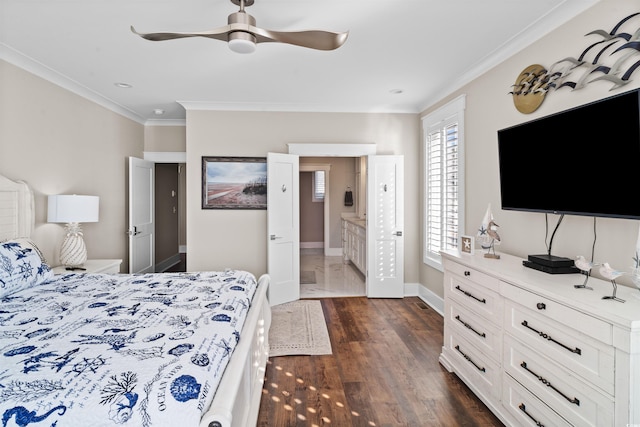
(73, 208)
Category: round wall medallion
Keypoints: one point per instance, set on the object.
(530, 89)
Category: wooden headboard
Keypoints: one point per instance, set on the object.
(17, 214)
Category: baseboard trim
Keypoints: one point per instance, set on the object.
(311, 245)
(167, 263)
(411, 289)
(333, 252)
(434, 301)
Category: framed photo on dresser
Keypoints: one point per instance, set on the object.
(467, 245)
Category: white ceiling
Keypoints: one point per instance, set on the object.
(425, 48)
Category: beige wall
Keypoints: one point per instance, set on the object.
(490, 108)
(219, 239)
(311, 213)
(60, 143)
(165, 138)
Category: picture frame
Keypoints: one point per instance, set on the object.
(234, 182)
(467, 245)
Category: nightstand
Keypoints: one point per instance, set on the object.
(108, 266)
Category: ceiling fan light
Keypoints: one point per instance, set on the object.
(241, 42)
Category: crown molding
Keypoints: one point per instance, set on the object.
(38, 69)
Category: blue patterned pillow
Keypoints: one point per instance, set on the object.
(20, 268)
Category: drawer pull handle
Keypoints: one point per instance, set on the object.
(482, 369)
(484, 301)
(546, 382)
(524, 409)
(541, 306)
(468, 326)
(548, 337)
(467, 273)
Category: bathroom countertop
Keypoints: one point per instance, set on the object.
(360, 222)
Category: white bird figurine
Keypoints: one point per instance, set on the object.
(583, 264)
(609, 273)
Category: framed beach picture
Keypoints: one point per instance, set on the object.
(467, 245)
(234, 182)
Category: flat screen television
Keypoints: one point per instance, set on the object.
(582, 161)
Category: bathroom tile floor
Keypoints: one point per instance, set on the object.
(333, 278)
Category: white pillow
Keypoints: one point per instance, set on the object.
(21, 266)
(28, 243)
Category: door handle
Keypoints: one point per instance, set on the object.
(398, 233)
(274, 237)
(133, 232)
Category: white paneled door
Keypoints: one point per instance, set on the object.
(283, 227)
(141, 215)
(385, 226)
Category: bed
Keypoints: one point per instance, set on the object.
(186, 349)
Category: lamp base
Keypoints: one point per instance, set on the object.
(73, 252)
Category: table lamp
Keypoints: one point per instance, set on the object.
(73, 210)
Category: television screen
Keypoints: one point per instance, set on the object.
(583, 161)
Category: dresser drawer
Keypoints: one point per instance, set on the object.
(473, 275)
(526, 409)
(478, 330)
(575, 351)
(582, 322)
(478, 298)
(478, 369)
(563, 392)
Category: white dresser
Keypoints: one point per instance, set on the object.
(536, 350)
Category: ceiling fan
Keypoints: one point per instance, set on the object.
(242, 34)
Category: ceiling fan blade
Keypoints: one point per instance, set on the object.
(313, 39)
(218, 34)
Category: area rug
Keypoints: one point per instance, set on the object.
(298, 328)
(307, 277)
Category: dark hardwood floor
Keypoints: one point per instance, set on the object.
(384, 371)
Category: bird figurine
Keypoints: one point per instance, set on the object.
(585, 267)
(609, 273)
(492, 230)
(495, 237)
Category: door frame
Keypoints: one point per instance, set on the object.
(179, 157)
(333, 150)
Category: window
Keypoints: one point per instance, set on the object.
(444, 180)
(318, 186)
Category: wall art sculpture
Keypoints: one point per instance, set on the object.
(614, 57)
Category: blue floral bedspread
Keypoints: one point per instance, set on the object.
(102, 350)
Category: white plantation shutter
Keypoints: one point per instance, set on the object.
(318, 186)
(444, 183)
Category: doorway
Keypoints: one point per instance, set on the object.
(323, 271)
(168, 217)
(157, 220)
(384, 237)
